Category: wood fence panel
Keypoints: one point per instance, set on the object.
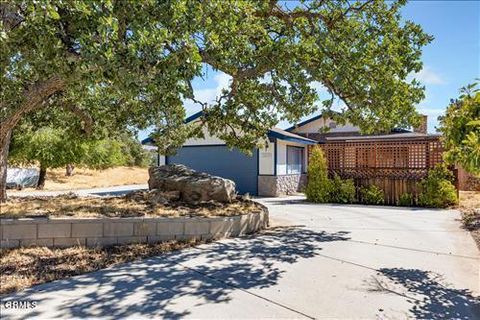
(394, 166)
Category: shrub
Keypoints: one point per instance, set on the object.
(406, 199)
(342, 191)
(372, 195)
(438, 190)
(318, 185)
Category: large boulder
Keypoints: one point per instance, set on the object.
(193, 186)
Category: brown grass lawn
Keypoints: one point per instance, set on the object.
(470, 199)
(470, 208)
(137, 204)
(87, 178)
(25, 267)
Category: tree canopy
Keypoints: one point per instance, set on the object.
(461, 130)
(131, 63)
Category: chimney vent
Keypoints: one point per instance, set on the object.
(422, 127)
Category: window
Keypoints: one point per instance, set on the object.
(294, 160)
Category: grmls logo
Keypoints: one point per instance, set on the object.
(19, 304)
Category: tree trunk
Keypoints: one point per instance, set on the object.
(35, 96)
(69, 170)
(4, 145)
(41, 178)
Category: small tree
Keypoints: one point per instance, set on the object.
(54, 148)
(461, 130)
(318, 185)
(47, 147)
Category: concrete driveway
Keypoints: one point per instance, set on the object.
(319, 261)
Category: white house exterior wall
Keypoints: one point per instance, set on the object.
(314, 126)
(266, 159)
(208, 140)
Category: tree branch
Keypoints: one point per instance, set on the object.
(35, 96)
(84, 116)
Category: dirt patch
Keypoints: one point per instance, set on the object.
(88, 178)
(25, 267)
(136, 204)
(470, 209)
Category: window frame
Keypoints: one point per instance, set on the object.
(302, 160)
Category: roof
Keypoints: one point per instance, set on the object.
(391, 136)
(148, 141)
(301, 124)
(288, 136)
(272, 133)
(194, 117)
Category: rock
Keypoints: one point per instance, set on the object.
(163, 197)
(193, 186)
(154, 196)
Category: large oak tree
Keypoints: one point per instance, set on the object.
(132, 62)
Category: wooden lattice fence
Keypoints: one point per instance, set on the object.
(395, 166)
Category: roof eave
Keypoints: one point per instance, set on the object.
(278, 135)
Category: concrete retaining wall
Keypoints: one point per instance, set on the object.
(66, 232)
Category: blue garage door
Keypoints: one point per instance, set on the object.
(222, 162)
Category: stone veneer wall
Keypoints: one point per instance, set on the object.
(274, 186)
(66, 232)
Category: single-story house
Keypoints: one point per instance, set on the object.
(278, 168)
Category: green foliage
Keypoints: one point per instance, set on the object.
(341, 190)
(318, 184)
(461, 130)
(103, 154)
(372, 195)
(134, 154)
(55, 148)
(49, 147)
(438, 190)
(406, 199)
(132, 63)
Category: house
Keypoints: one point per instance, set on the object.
(278, 168)
(395, 161)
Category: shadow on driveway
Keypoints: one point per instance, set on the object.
(152, 287)
(430, 297)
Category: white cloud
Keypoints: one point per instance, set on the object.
(318, 86)
(208, 95)
(222, 81)
(428, 76)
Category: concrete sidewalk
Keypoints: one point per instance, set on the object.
(320, 261)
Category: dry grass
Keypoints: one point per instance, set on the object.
(469, 199)
(25, 267)
(137, 204)
(470, 208)
(86, 178)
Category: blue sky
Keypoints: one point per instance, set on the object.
(451, 61)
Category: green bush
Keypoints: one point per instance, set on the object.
(438, 190)
(133, 151)
(372, 195)
(318, 185)
(406, 199)
(342, 191)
